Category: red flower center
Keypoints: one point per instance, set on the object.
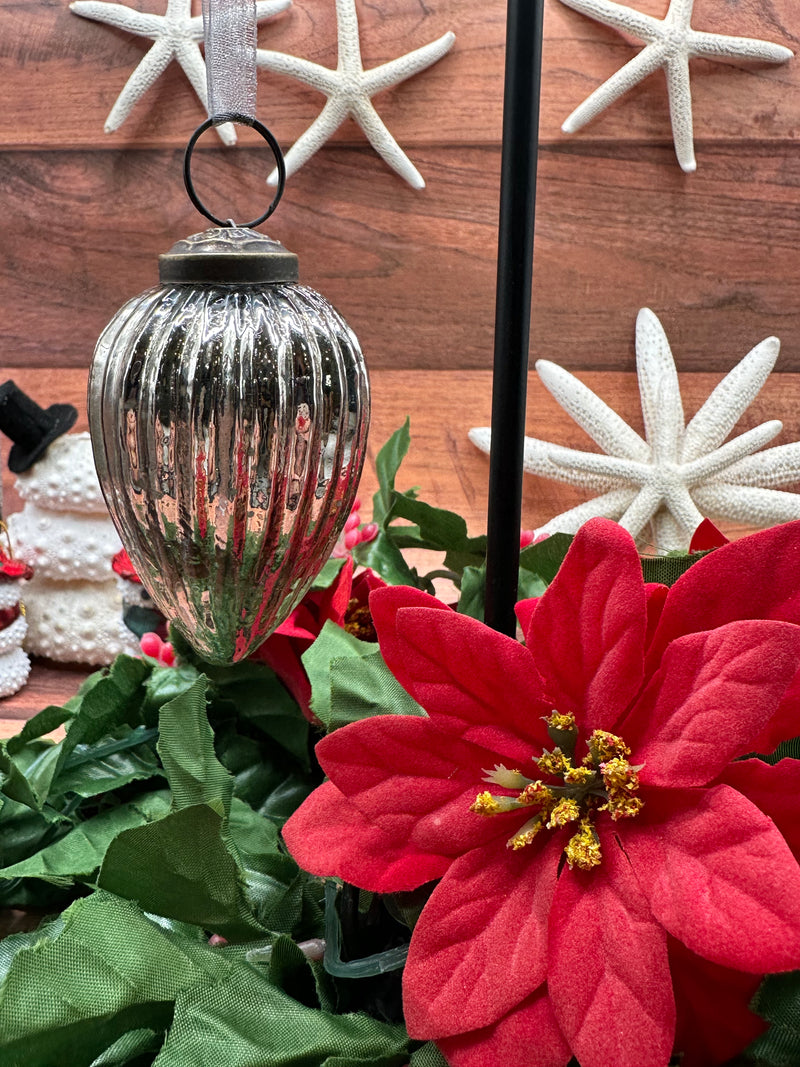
(603, 781)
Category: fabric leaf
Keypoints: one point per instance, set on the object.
(181, 868)
(362, 687)
(332, 644)
(186, 748)
(255, 1024)
(78, 854)
(81, 984)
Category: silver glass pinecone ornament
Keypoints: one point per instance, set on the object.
(228, 409)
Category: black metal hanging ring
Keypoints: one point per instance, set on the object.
(275, 148)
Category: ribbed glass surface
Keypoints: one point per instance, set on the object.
(229, 430)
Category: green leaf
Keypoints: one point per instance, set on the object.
(545, 557)
(256, 1024)
(264, 702)
(271, 783)
(28, 773)
(134, 1049)
(668, 569)
(362, 687)
(104, 702)
(186, 748)
(785, 750)
(472, 601)
(80, 984)
(387, 464)
(332, 643)
(180, 867)
(42, 723)
(122, 757)
(427, 1056)
(530, 585)
(778, 1001)
(78, 854)
(386, 559)
(163, 685)
(329, 573)
(273, 881)
(438, 529)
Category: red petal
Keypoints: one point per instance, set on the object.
(416, 783)
(718, 876)
(283, 654)
(784, 724)
(706, 537)
(753, 578)
(480, 946)
(587, 633)
(714, 1019)
(335, 599)
(524, 612)
(328, 836)
(608, 974)
(656, 596)
(472, 680)
(528, 1035)
(774, 790)
(713, 694)
(386, 602)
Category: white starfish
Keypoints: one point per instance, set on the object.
(670, 43)
(679, 474)
(176, 35)
(349, 90)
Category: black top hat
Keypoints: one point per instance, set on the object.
(30, 427)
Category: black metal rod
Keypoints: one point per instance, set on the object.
(513, 306)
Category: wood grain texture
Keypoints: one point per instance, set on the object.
(48, 683)
(618, 228)
(443, 406)
(449, 471)
(62, 74)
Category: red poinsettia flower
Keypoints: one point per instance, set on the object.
(345, 602)
(610, 881)
(121, 565)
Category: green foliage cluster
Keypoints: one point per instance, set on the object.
(180, 930)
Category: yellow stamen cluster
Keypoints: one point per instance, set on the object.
(536, 793)
(621, 781)
(486, 804)
(583, 849)
(555, 762)
(605, 782)
(579, 775)
(565, 811)
(561, 722)
(604, 747)
(526, 834)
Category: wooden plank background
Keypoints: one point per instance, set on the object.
(85, 215)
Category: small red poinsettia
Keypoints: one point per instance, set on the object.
(611, 883)
(345, 602)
